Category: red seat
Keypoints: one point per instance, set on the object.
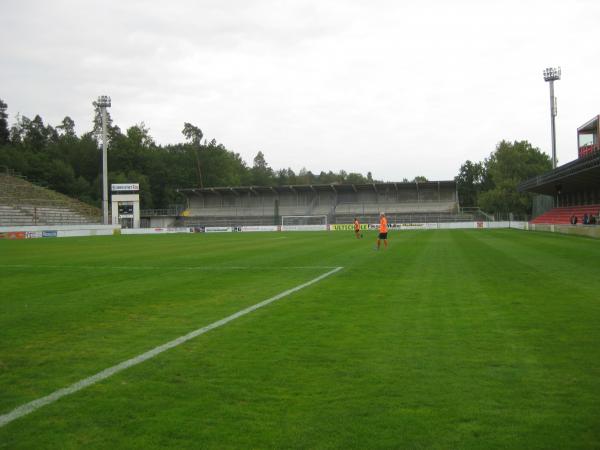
(563, 214)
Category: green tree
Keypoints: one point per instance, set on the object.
(4, 131)
(67, 127)
(16, 131)
(60, 177)
(285, 177)
(224, 168)
(194, 136)
(140, 137)
(262, 174)
(59, 158)
(131, 151)
(35, 133)
(356, 178)
(192, 133)
(507, 166)
(470, 181)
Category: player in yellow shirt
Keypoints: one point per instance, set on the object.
(383, 231)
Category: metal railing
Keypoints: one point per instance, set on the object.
(478, 214)
(161, 212)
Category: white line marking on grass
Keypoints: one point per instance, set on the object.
(56, 395)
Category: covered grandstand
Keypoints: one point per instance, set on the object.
(574, 188)
(431, 201)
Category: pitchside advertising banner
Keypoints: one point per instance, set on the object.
(414, 226)
(304, 227)
(13, 235)
(28, 234)
(156, 230)
(32, 232)
(260, 228)
(347, 227)
(218, 229)
(406, 226)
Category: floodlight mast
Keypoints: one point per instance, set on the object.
(103, 103)
(551, 74)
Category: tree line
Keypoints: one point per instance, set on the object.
(61, 160)
(491, 184)
(55, 156)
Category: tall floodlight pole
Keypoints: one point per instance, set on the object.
(103, 103)
(551, 74)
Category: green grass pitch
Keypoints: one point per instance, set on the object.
(448, 339)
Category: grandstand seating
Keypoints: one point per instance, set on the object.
(24, 203)
(411, 217)
(10, 215)
(562, 215)
(228, 221)
(389, 207)
(402, 202)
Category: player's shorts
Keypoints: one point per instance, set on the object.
(382, 235)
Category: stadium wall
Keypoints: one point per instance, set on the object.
(157, 230)
(160, 222)
(32, 232)
(592, 231)
(53, 231)
(270, 203)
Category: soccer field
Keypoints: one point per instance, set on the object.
(447, 339)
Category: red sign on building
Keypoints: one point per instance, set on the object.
(588, 137)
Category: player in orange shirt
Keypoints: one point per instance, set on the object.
(383, 231)
(357, 228)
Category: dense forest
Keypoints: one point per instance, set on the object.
(58, 158)
(55, 156)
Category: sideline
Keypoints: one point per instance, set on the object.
(79, 385)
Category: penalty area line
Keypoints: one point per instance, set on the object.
(106, 373)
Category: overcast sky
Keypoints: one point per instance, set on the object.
(397, 88)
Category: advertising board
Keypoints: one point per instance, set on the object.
(304, 227)
(253, 228)
(218, 229)
(347, 227)
(157, 230)
(13, 235)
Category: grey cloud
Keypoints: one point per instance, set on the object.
(396, 88)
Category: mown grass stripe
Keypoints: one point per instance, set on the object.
(128, 267)
(106, 373)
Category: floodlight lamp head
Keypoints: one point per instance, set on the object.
(552, 74)
(104, 101)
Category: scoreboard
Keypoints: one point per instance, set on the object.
(588, 137)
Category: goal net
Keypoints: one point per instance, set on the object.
(287, 221)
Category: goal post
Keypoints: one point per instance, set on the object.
(303, 220)
(304, 223)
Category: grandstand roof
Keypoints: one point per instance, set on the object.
(578, 175)
(590, 125)
(314, 187)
